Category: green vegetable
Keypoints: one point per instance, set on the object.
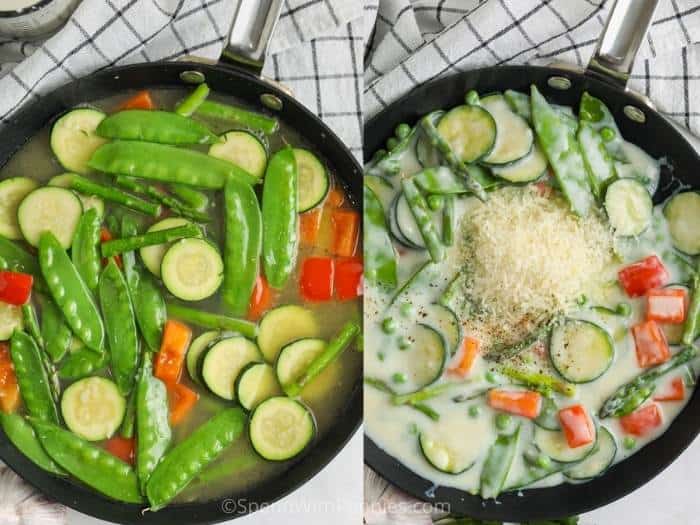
(178, 207)
(193, 101)
(31, 323)
(421, 395)
(129, 244)
(184, 462)
(20, 260)
(629, 442)
(419, 209)
(212, 321)
(229, 467)
(127, 427)
(474, 411)
(631, 395)
(109, 193)
(420, 407)
(243, 246)
(332, 351)
(448, 221)
(544, 383)
(435, 202)
(56, 333)
(84, 252)
(82, 363)
(89, 463)
(166, 164)
(32, 378)
(503, 421)
(399, 378)
(389, 325)
(497, 464)
(692, 321)
(238, 115)
(380, 256)
(390, 163)
(146, 297)
(280, 219)
(152, 426)
(404, 343)
(194, 198)
(22, 435)
(402, 131)
(163, 127)
(120, 324)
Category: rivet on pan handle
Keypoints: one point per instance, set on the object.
(627, 25)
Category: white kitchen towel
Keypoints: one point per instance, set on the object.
(416, 41)
(316, 51)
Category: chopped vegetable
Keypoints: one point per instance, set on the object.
(142, 100)
(182, 400)
(316, 282)
(467, 356)
(577, 426)
(169, 360)
(348, 278)
(667, 305)
(642, 421)
(650, 343)
(523, 403)
(9, 391)
(640, 277)
(336, 198)
(346, 231)
(674, 391)
(15, 287)
(260, 299)
(122, 448)
(310, 225)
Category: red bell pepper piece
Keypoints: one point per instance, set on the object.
(122, 448)
(672, 391)
(335, 198)
(577, 426)
(650, 344)
(310, 225)
(15, 287)
(9, 390)
(521, 403)
(643, 420)
(642, 276)
(346, 232)
(142, 100)
(169, 360)
(181, 400)
(316, 283)
(106, 235)
(348, 278)
(667, 305)
(260, 299)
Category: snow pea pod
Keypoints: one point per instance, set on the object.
(84, 253)
(692, 320)
(193, 101)
(167, 164)
(238, 115)
(4, 265)
(498, 463)
(20, 260)
(32, 377)
(152, 426)
(70, 293)
(380, 256)
(82, 363)
(22, 436)
(89, 463)
(31, 324)
(595, 113)
(115, 195)
(184, 462)
(146, 297)
(129, 244)
(280, 218)
(177, 206)
(212, 321)
(564, 153)
(120, 325)
(419, 209)
(243, 245)
(389, 163)
(162, 127)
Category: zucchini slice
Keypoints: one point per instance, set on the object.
(296, 357)
(445, 321)
(394, 229)
(93, 408)
(89, 201)
(599, 461)
(281, 428)
(428, 156)
(49, 209)
(528, 169)
(682, 212)
(382, 188)
(12, 192)
(424, 361)
(242, 149)
(74, 138)
(444, 456)
(192, 269)
(223, 363)
(553, 444)
(638, 164)
(282, 325)
(471, 131)
(514, 138)
(406, 223)
(11, 319)
(629, 207)
(256, 383)
(196, 351)
(549, 415)
(580, 350)
(152, 256)
(314, 181)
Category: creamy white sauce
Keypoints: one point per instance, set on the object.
(395, 428)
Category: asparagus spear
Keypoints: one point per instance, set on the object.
(629, 396)
(420, 407)
(179, 207)
(543, 383)
(690, 330)
(108, 193)
(129, 244)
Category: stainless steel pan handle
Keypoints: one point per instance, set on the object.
(624, 32)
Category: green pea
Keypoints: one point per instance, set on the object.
(472, 97)
(584, 114)
(474, 411)
(623, 309)
(402, 131)
(607, 134)
(399, 378)
(392, 143)
(583, 299)
(407, 309)
(389, 325)
(491, 377)
(413, 429)
(503, 421)
(629, 443)
(381, 356)
(404, 343)
(436, 202)
(543, 461)
(379, 154)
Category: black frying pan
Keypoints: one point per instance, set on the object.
(660, 139)
(248, 88)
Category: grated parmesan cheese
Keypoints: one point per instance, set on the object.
(527, 259)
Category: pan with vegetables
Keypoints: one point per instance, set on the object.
(180, 293)
(532, 288)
